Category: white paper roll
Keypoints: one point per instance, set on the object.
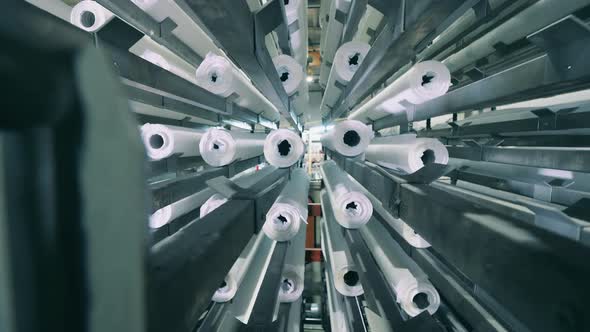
(410, 284)
(344, 273)
(296, 12)
(351, 207)
(292, 76)
(349, 138)
(424, 81)
(293, 272)
(368, 25)
(406, 153)
(217, 75)
(289, 210)
(90, 16)
(337, 317)
(215, 201)
(163, 141)
(220, 147)
(333, 35)
(187, 31)
(347, 60)
(177, 209)
(283, 148)
(236, 274)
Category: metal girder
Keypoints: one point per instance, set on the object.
(496, 246)
(409, 25)
(169, 191)
(354, 313)
(453, 288)
(179, 289)
(570, 159)
(155, 86)
(355, 14)
(561, 70)
(241, 34)
(515, 122)
(175, 165)
(159, 32)
(61, 199)
(379, 295)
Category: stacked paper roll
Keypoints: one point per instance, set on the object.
(423, 82)
(245, 298)
(186, 30)
(346, 61)
(406, 153)
(337, 17)
(368, 26)
(410, 284)
(217, 75)
(153, 52)
(337, 317)
(349, 138)
(293, 272)
(351, 208)
(235, 276)
(90, 16)
(179, 208)
(289, 210)
(220, 147)
(344, 274)
(296, 12)
(292, 76)
(283, 148)
(163, 141)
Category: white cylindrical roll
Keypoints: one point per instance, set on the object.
(179, 208)
(345, 275)
(368, 25)
(410, 284)
(406, 153)
(349, 138)
(351, 208)
(293, 272)
(337, 317)
(292, 76)
(217, 75)
(424, 81)
(90, 16)
(334, 29)
(347, 60)
(220, 147)
(283, 148)
(163, 141)
(236, 274)
(186, 30)
(296, 11)
(215, 201)
(283, 219)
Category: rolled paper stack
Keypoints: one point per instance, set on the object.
(90, 16)
(164, 141)
(349, 138)
(283, 148)
(220, 147)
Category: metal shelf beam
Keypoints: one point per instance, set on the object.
(468, 228)
(241, 34)
(410, 24)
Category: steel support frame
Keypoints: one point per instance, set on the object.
(241, 34)
(179, 289)
(560, 70)
(149, 84)
(410, 24)
(494, 244)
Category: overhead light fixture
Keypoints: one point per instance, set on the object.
(309, 78)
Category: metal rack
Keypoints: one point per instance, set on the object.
(467, 228)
